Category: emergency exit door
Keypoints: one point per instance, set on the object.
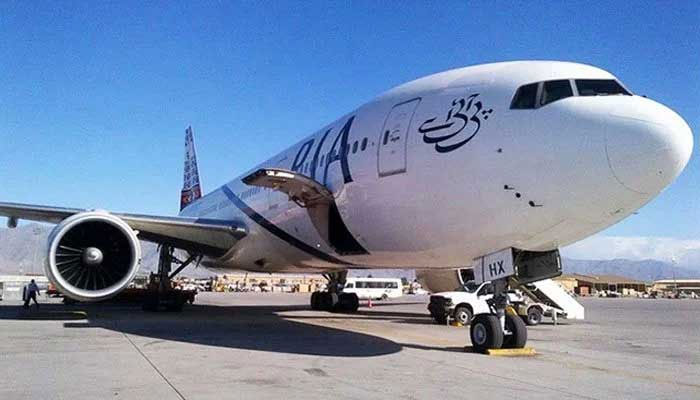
(394, 138)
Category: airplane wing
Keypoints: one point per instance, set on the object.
(207, 236)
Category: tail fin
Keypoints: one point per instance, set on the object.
(191, 188)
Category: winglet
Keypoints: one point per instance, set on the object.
(191, 188)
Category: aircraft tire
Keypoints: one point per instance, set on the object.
(347, 302)
(486, 333)
(518, 337)
(327, 301)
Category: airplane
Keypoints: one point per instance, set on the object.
(494, 166)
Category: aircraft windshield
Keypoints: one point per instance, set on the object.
(539, 94)
(600, 87)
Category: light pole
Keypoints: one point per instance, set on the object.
(36, 231)
(673, 271)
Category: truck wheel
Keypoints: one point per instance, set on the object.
(463, 315)
(486, 333)
(518, 333)
(534, 316)
(385, 297)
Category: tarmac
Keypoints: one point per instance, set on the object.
(272, 346)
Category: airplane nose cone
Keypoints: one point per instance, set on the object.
(647, 145)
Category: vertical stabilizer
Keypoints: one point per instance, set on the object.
(191, 188)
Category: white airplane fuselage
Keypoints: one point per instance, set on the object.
(442, 170)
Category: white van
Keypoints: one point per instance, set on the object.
(375, 288)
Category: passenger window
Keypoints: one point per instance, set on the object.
(364, 144)
(354, 147)
(525, 97)
(555, 90)
(350, 286)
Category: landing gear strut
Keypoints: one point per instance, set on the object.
(161, 295)
(502, 328)
(333, 299)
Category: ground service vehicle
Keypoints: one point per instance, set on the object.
(374, 288)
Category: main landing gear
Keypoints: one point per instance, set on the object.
(160, 295)
(333, 299)
(502, 328)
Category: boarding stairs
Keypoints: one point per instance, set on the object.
(550, 293)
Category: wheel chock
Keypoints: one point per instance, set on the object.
(524, 352)
(457, 324)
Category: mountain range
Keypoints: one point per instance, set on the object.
(22, 252)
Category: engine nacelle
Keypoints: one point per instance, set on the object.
(443, 280)
(92, 256)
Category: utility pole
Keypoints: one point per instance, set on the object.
(36, 231)
(673, 271)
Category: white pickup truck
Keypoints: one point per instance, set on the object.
(465, 302)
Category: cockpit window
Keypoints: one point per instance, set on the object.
(525, 97)
(600, 87)
(555, 90)
(538, 94)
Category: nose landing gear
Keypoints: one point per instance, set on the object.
(502, 328)
(486, 332)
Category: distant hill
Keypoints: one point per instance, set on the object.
(22, 250)
(644, 270)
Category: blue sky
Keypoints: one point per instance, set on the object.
(94, 98)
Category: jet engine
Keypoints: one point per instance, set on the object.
(443, 280)
(92, 256)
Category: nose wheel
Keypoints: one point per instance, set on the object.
(486, 332)
(498, 329)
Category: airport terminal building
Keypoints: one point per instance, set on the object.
(677, 285)
(590, 285)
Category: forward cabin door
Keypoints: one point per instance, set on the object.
(394, 138)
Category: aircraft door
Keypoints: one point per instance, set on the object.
(394, 138)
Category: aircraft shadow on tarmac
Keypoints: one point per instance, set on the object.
(242, 327)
